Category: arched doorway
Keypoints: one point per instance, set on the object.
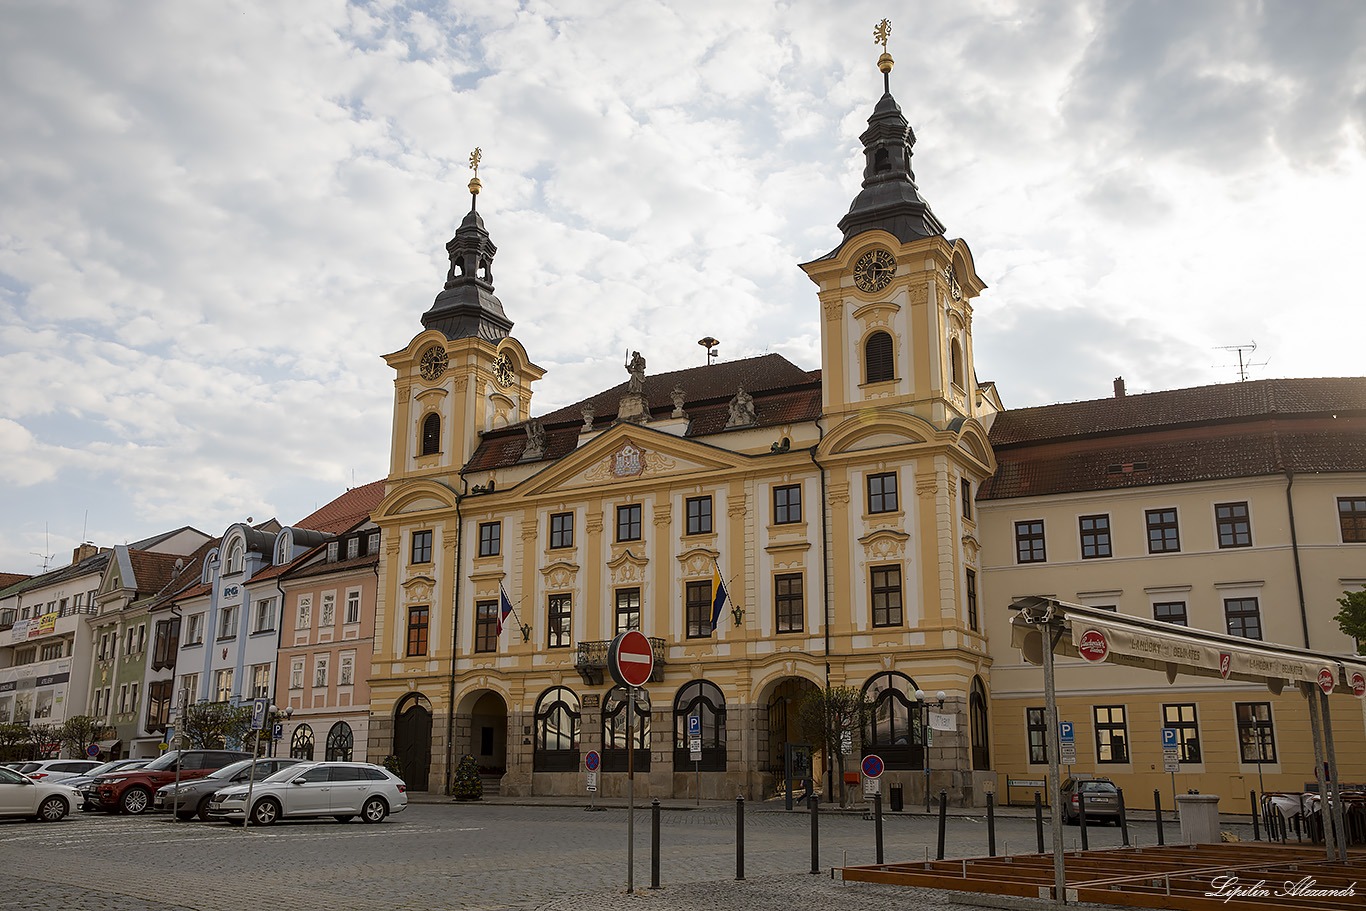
(489, 733)
(340, 741)
(413, 740)
(784, 728)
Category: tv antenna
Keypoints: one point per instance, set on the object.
(46, 558)
(1243, 363)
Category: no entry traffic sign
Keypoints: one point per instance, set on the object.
(631, 659)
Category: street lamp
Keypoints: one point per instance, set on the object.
(928, 738)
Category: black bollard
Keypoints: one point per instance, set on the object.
(1038, 819)
(815, 833)
(1256, 826)
(1081, 817)
(943, 815)
(1157, 807)
(877, 823)
(654, 843)
(1123, 819)
(991, 825)
(740, 837)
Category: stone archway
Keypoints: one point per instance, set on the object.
(489, 734)
(413, 740)
(781, 699)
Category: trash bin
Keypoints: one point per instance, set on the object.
(897, 800)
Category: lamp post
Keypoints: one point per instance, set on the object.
(920, 697)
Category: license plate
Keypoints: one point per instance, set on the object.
(1097, 800)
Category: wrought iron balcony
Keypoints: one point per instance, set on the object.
(590, 660)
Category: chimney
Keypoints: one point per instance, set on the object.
(1119, 387)
(82, 552)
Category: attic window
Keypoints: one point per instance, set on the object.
(1127, 468)
(882, 161)
(332, 551)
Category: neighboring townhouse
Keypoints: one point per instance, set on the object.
(327, 631)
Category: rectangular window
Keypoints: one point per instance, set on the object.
(305, 619)
(697, 598)
(1256, 736)
(558, 615)
(972, 600)
(319, 672)
(158, 705)
(417, 631)
(1038, 735)
(628, 609)
(486, 626)
(296, 674)
(265, 615)
(1181, 717)
(1235, 528)
(965, 491)
(128, 642)
(227, 623)
(195, 632)
(562, 529)
(123, 699)
(699, 515)
(1243, 617)
(353, 548)
(1112, 734)
(1163, 536)
(886, 592)
(490, 538)
(353, 607)
(789, 605)
(1170, 612)
(422, 547)
(260, 680)
(787, 504)
(327, 616)
(222, 688)
(628, 522)
(882, 492)
(332, 550)
(166, 643)
(50, 652)
(346, 673)
(1029, 542)
(61, 607)
(190, 684)
(1352, 519)
(1095, 536)
(372, 543)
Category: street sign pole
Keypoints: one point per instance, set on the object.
(695, 748)
(631, 659)
(260, 706)
(181, 706)
(630, 793)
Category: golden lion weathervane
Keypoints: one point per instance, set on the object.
(881, 32)
(475, 157)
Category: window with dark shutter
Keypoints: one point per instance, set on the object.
(431, 434)
(877, 356)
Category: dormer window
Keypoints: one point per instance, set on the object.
(282, 549)
(237, 555)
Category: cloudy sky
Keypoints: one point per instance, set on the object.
(216, 217)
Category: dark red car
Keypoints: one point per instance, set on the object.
(131, 790)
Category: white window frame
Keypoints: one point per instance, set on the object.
(320, 672)
(304, 620)
(327, 614)
(296, 674)
(346, 670)
(223, 685)
(352, 606)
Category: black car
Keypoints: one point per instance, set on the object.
(192, 797)
(1101, 795)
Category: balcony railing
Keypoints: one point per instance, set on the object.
(590, 660)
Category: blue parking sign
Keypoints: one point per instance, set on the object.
(258, 712)
(1065, 734)
(1168, 738)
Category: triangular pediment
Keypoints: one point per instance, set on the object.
(629, 453)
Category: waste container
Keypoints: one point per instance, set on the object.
(896, 798)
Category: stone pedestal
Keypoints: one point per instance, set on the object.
(1199, 815)
(633, 408)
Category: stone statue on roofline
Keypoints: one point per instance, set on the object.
(535, 440)
(589, 412)
(679, 398)
(636, 367)
(741, 409)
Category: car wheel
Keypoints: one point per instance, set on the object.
(375, 810)
(52, 809)
(265, 813)
(203, 810)
(345, 817)
(135, 800)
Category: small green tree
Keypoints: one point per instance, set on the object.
(215, 725)
(78, 732)
(467, 784)
(829, 715)
(394, 764)
(1352, 618)
(16, 742)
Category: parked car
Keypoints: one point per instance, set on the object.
(192, 797)
(86, 783)
(339, 789)
(131, 790)
(41, 800)
(1102, 800)
(56, 770)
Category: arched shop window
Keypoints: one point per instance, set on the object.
(894, 730)
(301, 744)
(339, 742)
(557, 731)
(614, 730)
(704, 700)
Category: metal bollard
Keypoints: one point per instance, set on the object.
(654, 843)
(991, 825)
(1256, 826)
(877, 823)
(1038, 819)
(1157, 806)
(1123, 819)
(815, 833)
(1081, 818)
(943, 811)
(740, 837)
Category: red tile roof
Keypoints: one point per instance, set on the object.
(346, 511)
(152, 572)
(8, 579)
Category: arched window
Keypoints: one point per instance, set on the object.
(956, 363)
(704, 700)
(882, 161)
(282, 548)
(431, 434)
(614, 730)
(301, 744)
(557, 731)
(339, 742)
(977, 721)
(236, 557)
(894, 730)
(877, 358)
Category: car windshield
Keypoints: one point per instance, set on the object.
(230, 770)
(165, 762)
(1098, 787)
(107, 767)
(287, 773)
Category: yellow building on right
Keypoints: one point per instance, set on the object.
(1238, 509)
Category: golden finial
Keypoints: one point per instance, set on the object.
(881, 32)
(475, 157)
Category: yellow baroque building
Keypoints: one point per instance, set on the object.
(836, 504)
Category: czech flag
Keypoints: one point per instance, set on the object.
(504, 608)
(718, 598)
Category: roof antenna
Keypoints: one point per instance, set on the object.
(1242, 364)
(47, 557)
(710, 344)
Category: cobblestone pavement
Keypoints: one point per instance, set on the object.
(477, 856)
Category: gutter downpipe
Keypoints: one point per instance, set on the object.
(1295, 550)
(455, 632)
(825, 575)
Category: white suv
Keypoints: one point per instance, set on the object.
(51, 771)
(340, 789)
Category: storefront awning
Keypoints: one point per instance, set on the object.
(107, 745)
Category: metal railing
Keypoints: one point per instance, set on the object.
(590, 658)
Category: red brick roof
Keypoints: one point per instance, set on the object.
(152, 572)
(346, 511)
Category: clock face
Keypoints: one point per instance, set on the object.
(502, 369)
(433, 362)
(874, 270)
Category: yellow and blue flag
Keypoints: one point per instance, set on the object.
(718, 596)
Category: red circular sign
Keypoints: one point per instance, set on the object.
(1326, 678)
(1093, 646)
(631, 659)
(1359, 683)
